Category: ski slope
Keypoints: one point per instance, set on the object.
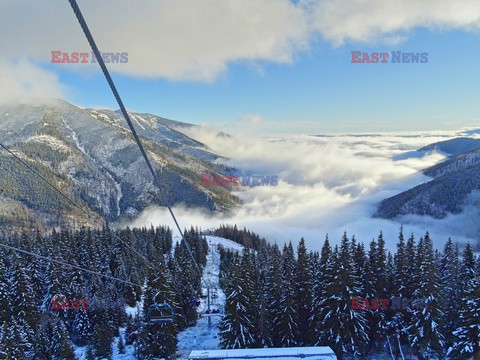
(201, 336)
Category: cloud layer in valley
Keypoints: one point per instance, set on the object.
(327, 184)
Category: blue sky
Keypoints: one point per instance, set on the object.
(312, 86)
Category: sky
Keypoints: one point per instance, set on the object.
(281, 69)
(267, 66)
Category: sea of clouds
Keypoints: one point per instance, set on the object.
(328, 184)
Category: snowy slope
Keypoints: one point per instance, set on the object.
(91, 155)
(292, 353)
(202, 337)
(199, 337)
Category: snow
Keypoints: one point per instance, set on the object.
(322, 352)
(119, 192)
(202, 341)
(74, 137)
(134, 310)
(80, 352)
(227, 244)
(200, 336)
(48, 140)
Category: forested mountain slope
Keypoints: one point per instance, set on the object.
(454, 184)
(91, 156)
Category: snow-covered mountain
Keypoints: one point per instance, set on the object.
(90, 154)
(454, 183)
(454, 147)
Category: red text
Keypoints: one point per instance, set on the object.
(74, 304)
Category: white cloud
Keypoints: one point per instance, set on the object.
(197, 40)
(173, 39)
(327, 185)
(23, 81)
(388, 21)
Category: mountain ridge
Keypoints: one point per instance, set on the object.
(90, 154)
(453, 181)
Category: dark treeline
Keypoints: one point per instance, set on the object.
(243, 237)
(30, 329)
(286, 297)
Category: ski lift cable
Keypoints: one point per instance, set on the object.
(13, 248)
(84, 211)
(74, 203)
(91, 41)
(44, 179)
(67, 264)
(90, 217)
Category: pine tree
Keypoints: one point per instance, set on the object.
(36, 277)
(286, 319)
(53, 341)
(377, 283)
(411, 285)
(346, 329)
(187, 282)
(361, 262)
(62, 348)
(21, 306)
(425, 333)
(263, 321)
(273, 291)
(102, 336)
(467, 336)
(14, 342)
(303, 293)
(43, 338)
(82, 328)
(158, 340)
(398, 322)
(237, 326)
(5, 311)
(22, 294)
(314, 268)
(450, 289)
(319, 294)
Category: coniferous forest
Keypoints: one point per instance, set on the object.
(281, 297)
(276, 296)
(31, 329)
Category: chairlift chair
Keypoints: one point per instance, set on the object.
(160, 313)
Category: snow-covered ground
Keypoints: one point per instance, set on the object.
(292, 353)
(201, 336)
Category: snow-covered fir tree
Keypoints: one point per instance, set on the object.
(466, 338)
(303, 282)
(237, 326)
(286, 319)
(425, 333)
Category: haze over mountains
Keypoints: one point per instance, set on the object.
(327, 184)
